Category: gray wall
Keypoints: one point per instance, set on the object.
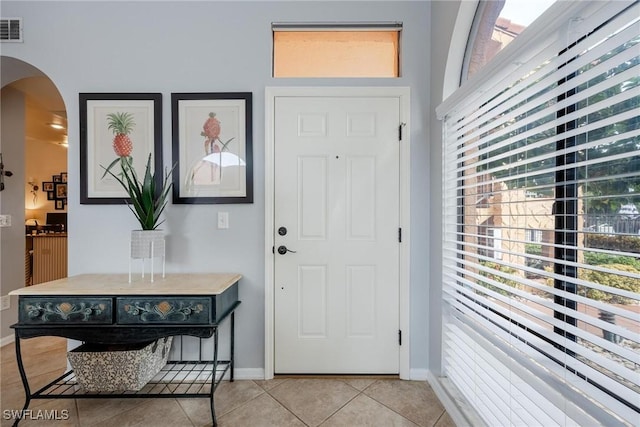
(206, 47)
(12, 242)
(441, 31)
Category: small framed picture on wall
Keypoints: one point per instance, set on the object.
(59, 204)
(101, 146)
(60, 190)
(215, 165)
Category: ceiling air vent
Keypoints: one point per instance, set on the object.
(11, 29)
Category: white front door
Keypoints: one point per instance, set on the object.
(336, 196)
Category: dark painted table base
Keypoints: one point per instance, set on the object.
(163, 385)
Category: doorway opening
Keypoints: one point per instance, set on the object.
(36, 195)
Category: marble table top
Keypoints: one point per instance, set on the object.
(118, 284)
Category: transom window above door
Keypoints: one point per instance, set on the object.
(336, 50)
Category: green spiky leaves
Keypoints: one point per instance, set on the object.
(146, 202)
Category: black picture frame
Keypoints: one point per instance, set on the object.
(57, 178)
(96, 142)
(63, 177)
(60, 190)
(212, 143)
(47, 186)
(59, 204)
(50, 195)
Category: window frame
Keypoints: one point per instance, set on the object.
(566, 197)
(391, 26)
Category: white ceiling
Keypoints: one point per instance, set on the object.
(44, 105)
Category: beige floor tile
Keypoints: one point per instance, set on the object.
(269, 384)
(445, 421)
(313, 400)
(239, 404)
(153, 412)
(364, 411)
(228, 396)
(263, 411)
(414, 400)
(93, 411)
(359, 383)
(198, 411)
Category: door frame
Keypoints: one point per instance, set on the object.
(403, 93)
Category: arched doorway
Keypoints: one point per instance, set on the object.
(34, 151)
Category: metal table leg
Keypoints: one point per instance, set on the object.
(23, 376)
(214, 381)
(233, 334)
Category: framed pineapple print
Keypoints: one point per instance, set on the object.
(113, 126)
(212, 147)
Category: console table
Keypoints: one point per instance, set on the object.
(107, 309)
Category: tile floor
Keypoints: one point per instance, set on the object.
(281, 402)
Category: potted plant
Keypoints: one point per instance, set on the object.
(146, 201)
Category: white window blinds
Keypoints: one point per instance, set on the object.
(541, 239)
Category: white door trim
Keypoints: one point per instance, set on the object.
(403, 94)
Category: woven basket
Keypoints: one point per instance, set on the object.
(101, 367)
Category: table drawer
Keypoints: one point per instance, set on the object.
(170, 310)
(65, 310)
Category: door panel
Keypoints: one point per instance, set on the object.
(337, 193)
(361, 198)
(312, 198)
(312, 305)
(361, 298)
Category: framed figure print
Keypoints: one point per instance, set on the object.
(113, 126)
(60, 190)
(212, 147)
(47, 185)
(59, 204)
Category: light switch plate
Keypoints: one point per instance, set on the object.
(5, 302)
(5, 220)
(223, 220)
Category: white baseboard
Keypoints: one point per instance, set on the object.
(7, 340)
(418, 374)
(247, 374)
